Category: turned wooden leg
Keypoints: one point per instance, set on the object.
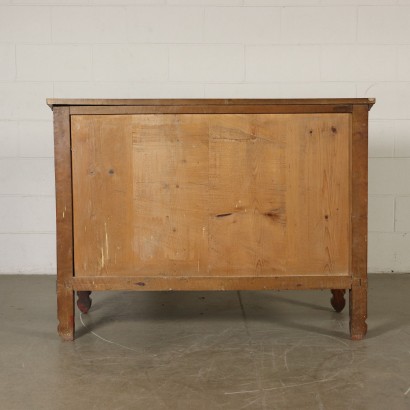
(84, 301)
(65, 312)
(358, 309)
(338, 299)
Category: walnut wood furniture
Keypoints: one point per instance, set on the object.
(211, 195)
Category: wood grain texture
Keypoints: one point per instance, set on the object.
(170, 193)
(64, 223)
(318, 194)
(102, 193)
(211, 109)
(155, 283)
(359, 184)
(206, 101)
(200, 195)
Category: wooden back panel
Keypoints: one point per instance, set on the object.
(211, 194)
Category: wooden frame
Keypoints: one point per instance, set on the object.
(64, 222)
(68, 282)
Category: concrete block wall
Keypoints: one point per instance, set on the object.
(198, 49)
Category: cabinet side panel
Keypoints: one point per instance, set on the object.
(102, 194)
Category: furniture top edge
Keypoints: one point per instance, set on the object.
(52, 102)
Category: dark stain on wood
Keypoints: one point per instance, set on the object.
(276, 215)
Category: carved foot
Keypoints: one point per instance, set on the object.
(338, 299)
(84, 301)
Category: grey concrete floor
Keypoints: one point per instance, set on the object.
(204, 350)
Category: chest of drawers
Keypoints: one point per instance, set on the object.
(211, 195)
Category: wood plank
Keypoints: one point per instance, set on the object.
(152, 283)
(317, 193)
(279, 185)
(247, 185)
(359, 182)
(170, 201)
(214, 194)
(206, 101)
(103, 193)
(211, 109)
(64, 223)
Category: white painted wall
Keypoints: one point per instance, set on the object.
(196, 49)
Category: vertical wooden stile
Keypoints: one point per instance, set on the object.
(64, 222)
(359, 171)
